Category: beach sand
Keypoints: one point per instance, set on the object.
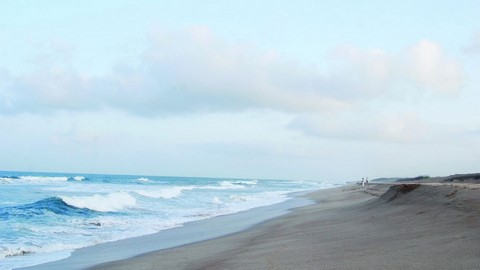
(416, 225)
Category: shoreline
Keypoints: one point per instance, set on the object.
(188, 233)
(392, 225)
(384, 226)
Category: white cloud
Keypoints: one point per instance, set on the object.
(423, 66)
(192, 70)
(427, 64)
(383, 89)
(185, 71)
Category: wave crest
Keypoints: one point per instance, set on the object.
(77, 178)
(230, 185)
(43, 207)
(39, 179)
(246, 182)
(143, 180)
(112, 202)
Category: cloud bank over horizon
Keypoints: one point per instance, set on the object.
(211, 74)
(192, 71)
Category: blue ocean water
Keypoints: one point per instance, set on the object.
(45, 216)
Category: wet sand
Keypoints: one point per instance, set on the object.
(415, 225)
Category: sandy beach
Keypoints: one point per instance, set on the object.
(417, 224)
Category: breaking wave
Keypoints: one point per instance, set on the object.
(143, 180)
(112, 202)
(77, 178)
(246, 182)
(46, 206)
(39, 179)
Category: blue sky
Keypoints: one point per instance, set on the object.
(320, 90)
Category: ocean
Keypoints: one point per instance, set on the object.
(45, 216)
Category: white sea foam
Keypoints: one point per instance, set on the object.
(246, 182)
(11, 261)
(39, 179)
(176, 191)
(44, 179)
(35, 179)
(241, 203)
(103, 203)
(31, 249)
(237, 203)
(237, 198)
(13, 256)
(226, 185)
(93, 188)
(6, 180)
(131, 227)
(216, 201)
(143, 180)
(78, 178)
(165, 193)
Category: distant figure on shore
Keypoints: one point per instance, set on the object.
(363, 182)
(366, 180)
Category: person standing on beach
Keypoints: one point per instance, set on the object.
(363, 182)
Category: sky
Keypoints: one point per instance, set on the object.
(305, 90)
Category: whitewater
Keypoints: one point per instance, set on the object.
(45, 216)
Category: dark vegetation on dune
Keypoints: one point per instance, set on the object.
(396, 191)
(418, 178)
(474, 177)
(465, 178)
